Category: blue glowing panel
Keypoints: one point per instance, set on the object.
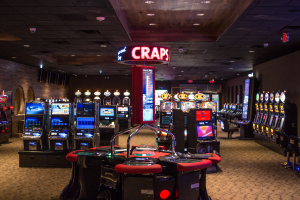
(60, 109)
(59, 122)
(85, 122)
(107, 112)
(34, 109)
(148, 95)
(33, 122)
(246, 99)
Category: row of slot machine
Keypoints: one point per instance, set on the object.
(274, 114)
(231, 110)
(179, 110)
(63, 126)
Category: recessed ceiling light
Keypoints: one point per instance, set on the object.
(150, 14)
(26, 45)
(152, 24)
(41, 66)
(72, 55)
(179, 75)
(232, 61)
(251, 51)
(100, 18)
(230, 68)
(238, 74)
(205, 1)
(149, 2)
(216, 77)
(98, 55)
(196, 24)
(221, 79)
(182, 71)
(200, 14)
(103, 45)
(13, 57)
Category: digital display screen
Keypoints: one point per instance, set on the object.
(85, 122)
(79, 134)
(85, 109)
(166, 120)
(186, 105)
(53, 133)
(148, 96)
(122, 109)
(33, 122)
(59, 122)
(34, 109)
(61, 109)
(158, 94)
(166, 106)
(246, 98)
(203, 115)
(204, 132)
(210, 104)
(107, 112)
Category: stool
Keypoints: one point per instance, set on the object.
(294, 141)
(284, 138)
(71, 191)
(226, 128)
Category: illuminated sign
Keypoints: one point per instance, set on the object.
(148, 94)
(285, 37)
(250, 75)
(149, 54)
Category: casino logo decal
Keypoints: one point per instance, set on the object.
(200, 96)
(182, 96)
(166, 96)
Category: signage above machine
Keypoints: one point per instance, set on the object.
(135, 55)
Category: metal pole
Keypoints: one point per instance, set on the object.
(129, 138)
(112, 140)
(172, 135)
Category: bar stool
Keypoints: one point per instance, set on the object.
(294, 142)
(284, 138)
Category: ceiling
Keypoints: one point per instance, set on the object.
(69, 39)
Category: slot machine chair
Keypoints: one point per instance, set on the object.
(285, 144)
(294, 142)
(228, 128)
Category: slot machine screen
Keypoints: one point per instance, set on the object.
(87, 109)
(61, 109)
(210, 104)
(205, 132)
(203, 115)
(34, 109)
(107, 112)
(186, 105)
(60, 122)
(33, 122)
(166, 120)
(166, 107)
(233, 107)
(85, 122)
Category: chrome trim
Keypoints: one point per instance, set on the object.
(130, 136)
(112, 140)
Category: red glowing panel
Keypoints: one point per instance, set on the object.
(164, 194)
(205, 131)
(190, 81)
(133, 53)
(203, 115)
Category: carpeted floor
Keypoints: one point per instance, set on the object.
(250, 172)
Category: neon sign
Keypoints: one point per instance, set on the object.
(154, 54)
(119, 52)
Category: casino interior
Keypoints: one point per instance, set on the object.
(160, 100)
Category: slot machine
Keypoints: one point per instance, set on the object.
(85, 129)
(201, 137)
(107, 99)
(34, 135)
(266, 115)
(126, 99)
(87, 97)
(108, 123)
(271, 117)
(261, 113)
(97, 98)
(276, 116)
(60, 136)
(124, 119)
(211, 105)
(287, 117)
(166, 108)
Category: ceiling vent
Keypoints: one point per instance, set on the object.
(88, 32)
(290, 28)
(257, 46)
(236, 58)
(72, 17)
(45, 52)
(62, 43)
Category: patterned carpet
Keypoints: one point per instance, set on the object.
(250, 172)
